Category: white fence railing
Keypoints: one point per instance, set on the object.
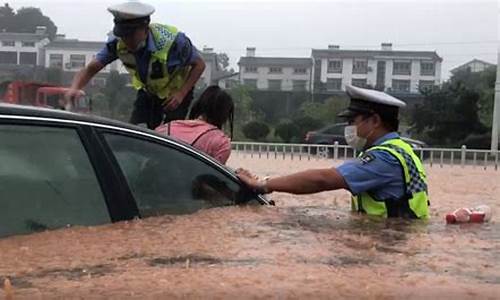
(429, 156)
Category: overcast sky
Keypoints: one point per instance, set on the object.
(458, 30)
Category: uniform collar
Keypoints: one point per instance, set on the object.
(386, 137)
(150, 43)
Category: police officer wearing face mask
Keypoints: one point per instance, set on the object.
(163, 63)
(387, 179)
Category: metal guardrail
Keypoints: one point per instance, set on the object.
(429, 156)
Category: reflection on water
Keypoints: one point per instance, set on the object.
(306, 246)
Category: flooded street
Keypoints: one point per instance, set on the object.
(306, 246)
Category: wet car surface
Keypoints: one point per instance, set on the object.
(306, 246)
(60, 169)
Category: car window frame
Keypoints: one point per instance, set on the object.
(245, 193)
(118, 204)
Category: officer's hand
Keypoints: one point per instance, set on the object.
(73, 93)
(248, 178)
(174, 101)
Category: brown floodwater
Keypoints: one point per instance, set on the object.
(306, 246)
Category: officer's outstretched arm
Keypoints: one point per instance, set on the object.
(83, 77)
(305, 182)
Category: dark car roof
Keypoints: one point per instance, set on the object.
(31, 111)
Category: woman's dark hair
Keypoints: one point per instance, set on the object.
(216, 106)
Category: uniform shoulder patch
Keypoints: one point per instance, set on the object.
(367, 158)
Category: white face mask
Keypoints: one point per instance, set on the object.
(352, 138)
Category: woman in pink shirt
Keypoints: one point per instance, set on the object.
(203, 130)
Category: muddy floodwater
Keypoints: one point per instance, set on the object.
(305, 247)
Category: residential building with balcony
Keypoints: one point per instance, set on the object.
(385, 69)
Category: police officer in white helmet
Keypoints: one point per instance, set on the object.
(163, 63)
(386, 180)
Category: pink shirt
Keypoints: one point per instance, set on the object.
(201, 135)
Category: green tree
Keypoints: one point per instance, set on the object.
(306, 124)
(244, 111)
(287, 130)
(324, 112)
(256, 130)
(25, 20)
(451, 113)
(6, 17)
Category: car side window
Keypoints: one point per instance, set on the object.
(46, 181)
(165, 180)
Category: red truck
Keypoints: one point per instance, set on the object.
(43, 95)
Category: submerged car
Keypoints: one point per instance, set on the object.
(61, 169)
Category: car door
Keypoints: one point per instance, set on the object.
(47, 179)
(166, 177)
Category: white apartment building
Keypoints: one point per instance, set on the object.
(385, 69)
(23, 48)
(71, 55)
(275, 73)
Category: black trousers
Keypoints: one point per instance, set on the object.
(148, 109)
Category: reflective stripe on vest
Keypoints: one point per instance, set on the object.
(159, 81)
(415, 201)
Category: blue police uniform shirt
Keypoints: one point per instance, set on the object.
(181, 54)
(382, 174)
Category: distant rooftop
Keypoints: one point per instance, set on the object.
(16, 36)
(475, 60)
(276, 61)
(75, 44)
(327, 53)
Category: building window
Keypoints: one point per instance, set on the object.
(27, 44)
(427, 69)
(401, 85)
(359, 82)
(401, 68)
(360, 67)
(425, 85)
(250, 69)
(8, 43)
(334, 66)
(334, 84)
(274, 84)
(252, 83)
(275, 70)
(76, 61)
(7, 57)
(299, 85)
(56, 60)
(27, 58)
(300, 71)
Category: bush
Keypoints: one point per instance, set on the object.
(287, 130)
(255, 130)
(306, 124)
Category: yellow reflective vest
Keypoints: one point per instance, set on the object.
(159, 81)
(415, 203)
